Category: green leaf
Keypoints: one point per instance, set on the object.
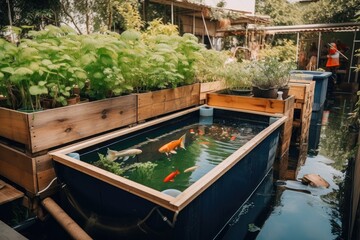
(23, 71)
(8, 70)
(46, 62)
(80, 75)
(1, 76)
(42, 83)
(38, 90)
(131, 35)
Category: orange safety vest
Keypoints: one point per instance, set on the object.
(333, 57)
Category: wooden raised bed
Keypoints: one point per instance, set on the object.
(264, 105)
(303, 91)
(209, 87)
(27, 137)
(157, 103)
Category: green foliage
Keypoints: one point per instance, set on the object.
(283, 49)
(111, 166)
(210, 66)
(56, 60)
(327, 11)
(35, 13)
(281, 12)
(237, 75)
(271, 72)
(130, 14)
(143, 170)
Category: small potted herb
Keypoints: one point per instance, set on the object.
(268, 75)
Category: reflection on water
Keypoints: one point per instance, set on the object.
(308, 212)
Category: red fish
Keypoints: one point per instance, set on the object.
(233, 138)
(171, 146)
(171, 176)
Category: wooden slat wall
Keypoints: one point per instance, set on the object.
(18, 167)
(14, 126)
(45, 172)
(157, 103)
(59, 126)
(303, 91)
(208, 87)
(247, 103)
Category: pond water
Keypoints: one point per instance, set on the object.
(292, 210)
(207, 142)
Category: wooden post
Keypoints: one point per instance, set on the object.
(71, 227)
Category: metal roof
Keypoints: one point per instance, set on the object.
(197, 8)
(326, 27)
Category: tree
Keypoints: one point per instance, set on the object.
(281, 11)
(36, 13)
(330, 11)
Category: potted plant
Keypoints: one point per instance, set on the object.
(268, 75)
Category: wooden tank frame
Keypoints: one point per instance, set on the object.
(180, 209)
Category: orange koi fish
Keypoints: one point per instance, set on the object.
(171, 146)
(233, 138)
(171, 176)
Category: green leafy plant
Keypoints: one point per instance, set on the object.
(238, 75)
(270, 73)
(111, 166)
(210, 66)
(143, 170)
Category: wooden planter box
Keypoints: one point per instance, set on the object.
(209, 87)
(27, 137)
(30, 173)
(303, 91)
(47, 129)
(266, 106)
(157, 103)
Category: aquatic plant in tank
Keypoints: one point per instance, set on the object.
(175, 157)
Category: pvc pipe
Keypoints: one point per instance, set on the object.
(70, 226)
(206, 111)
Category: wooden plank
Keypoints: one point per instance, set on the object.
(246, 103)
(210, 87)
(104, 137)
(45, 178)
(7, 233)
(117, 181)
(14, 126)
(59, 126)
(157, 103)
(45, 172)
(18, 168)
(8, 193)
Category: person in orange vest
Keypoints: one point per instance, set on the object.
(333, 57)
(332, 64)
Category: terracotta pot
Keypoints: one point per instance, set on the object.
(224, 23)
(265, 93)
(72, 101)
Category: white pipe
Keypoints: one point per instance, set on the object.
(172, 13)
(297, 47)
(207, 32)
(318, 53)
